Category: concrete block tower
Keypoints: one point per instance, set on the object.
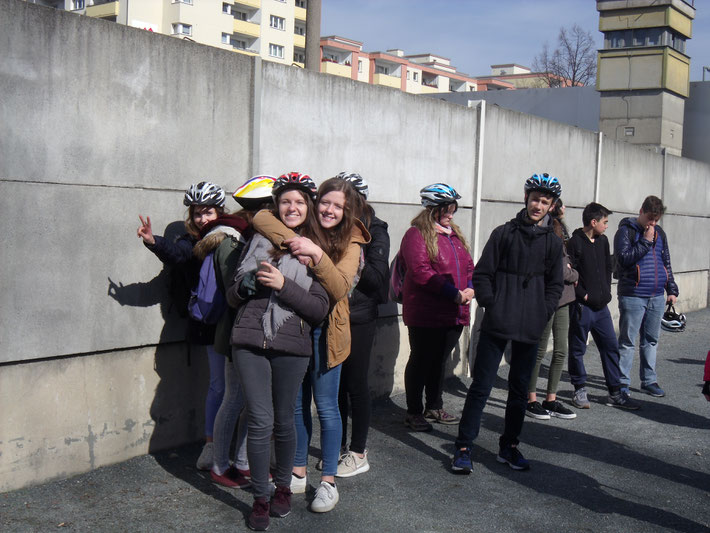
(643, 70)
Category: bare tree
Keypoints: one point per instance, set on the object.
(573, 62)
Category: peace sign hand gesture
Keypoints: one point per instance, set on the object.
(145, 231)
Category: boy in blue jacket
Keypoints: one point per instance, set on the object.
(518, 280)
(645, 273)
(588, 249)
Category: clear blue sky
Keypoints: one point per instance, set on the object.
(475, 34)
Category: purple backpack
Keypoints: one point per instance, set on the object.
(207, 303)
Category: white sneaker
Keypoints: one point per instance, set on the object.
(205, 460)
(351, 465)
(325, 499)
(298, 485)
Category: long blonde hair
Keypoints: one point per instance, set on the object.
(426, 222)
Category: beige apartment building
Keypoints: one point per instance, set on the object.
(272, 29)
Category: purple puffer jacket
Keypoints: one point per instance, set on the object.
(430, 289)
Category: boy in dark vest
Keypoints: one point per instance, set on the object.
(518, 280)
(645, 273)
(588, 249)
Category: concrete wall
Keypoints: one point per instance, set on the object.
(696, 128)
(102, 122)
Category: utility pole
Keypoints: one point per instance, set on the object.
(313, 35)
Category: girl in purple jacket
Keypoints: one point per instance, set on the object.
(436, 295)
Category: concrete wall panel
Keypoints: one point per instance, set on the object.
(688, 188)
(84, 103)
(629, 174)
(79, 279)
(72, 415)
(323, 125)
(518, 145)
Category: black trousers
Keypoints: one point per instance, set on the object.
(354, 392)
(429, 348)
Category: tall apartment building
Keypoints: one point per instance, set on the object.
(417, 74)
(272, 29)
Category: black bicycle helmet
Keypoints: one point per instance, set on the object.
(438, 194)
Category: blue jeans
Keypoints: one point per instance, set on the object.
(640, 316)
(321, 383)
(215, 392)
(485, 369)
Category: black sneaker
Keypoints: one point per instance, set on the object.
(513, 458)
(622, 401)
(558, 410)
(259, 518)
(536, 411)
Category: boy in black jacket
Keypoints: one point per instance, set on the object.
(588, 249)
(518, 280)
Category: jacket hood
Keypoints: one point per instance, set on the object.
(522, 223)
(629, 222)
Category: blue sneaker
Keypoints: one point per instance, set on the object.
(513, 457)
(461, 463)
(654, 390)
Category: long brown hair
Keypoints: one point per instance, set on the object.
(190, 225)
(426, 222)
(334, 241)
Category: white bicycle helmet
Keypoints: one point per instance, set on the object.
(673, 321)
(357, 181)
(204, 193)
(438, 194)
(255, 191)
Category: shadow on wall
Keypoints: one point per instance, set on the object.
(177, 409)
(385, 349)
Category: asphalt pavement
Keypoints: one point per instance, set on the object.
(605, 471)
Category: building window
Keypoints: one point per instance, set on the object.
(226, 38)
(188, 2)
(239, 15)
(78, 4)
(644, 37)
(226, 8)
(416, 76)
(299, 57)
(182, 29)
(276, 50)
(379, 69)
(359, 66)
(299, 30)
(301, 3)
(277, 22)
(239, 45)
(408, 75)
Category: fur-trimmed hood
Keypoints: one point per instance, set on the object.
(216, 231)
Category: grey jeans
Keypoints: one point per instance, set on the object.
(270, 382)
(226, 420)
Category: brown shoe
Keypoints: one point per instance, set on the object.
(417, 423)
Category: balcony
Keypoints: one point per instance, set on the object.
(328, 67)
(109, 9)
(299, 13)
(249, 29)
(299, 41)
(387, 81)
(252, 4)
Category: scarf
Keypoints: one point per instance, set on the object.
(276, 313)
(443, 229)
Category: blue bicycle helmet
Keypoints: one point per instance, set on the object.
(438, 194)
(543, 183)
